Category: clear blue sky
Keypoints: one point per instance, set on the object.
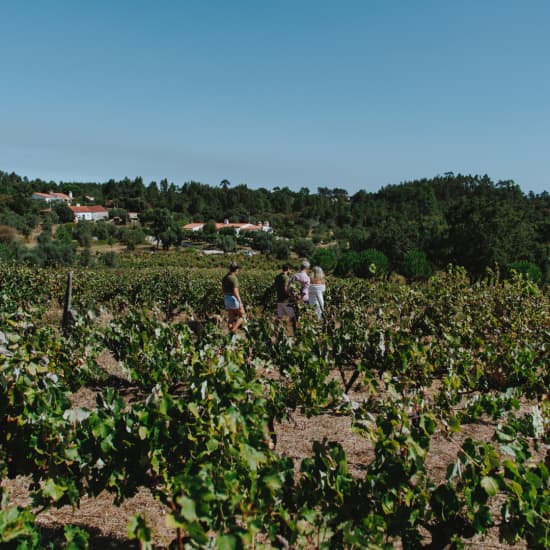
(299, 93)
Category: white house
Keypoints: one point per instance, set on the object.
(90, 213)
(52, 197)
(237, 226)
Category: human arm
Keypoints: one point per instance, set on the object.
(238, 296)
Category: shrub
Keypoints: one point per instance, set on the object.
(85, 258)
(347, 263)
(416, 266)
(109, 259)
(261, 241)
(280, 249)
(372, 263)
(324, 257)
(82, 233)
(63, 233)
(209, 228)
(63, 212)
(119, 214)
(50, 253)
(528, 269)
(9, 251)
(304, 248)
(226, 242)
(7, 234)
(132, 237)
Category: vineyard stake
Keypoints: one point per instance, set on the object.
(68, 320)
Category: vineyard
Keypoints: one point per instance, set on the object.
(436, 393)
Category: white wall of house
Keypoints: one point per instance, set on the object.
(96, 216)
(83, 216)
(91, 216)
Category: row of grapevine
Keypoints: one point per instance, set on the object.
(200, 434)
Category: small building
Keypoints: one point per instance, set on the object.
(92, 213)
(53, 197)
(260, 226)
(193, 226)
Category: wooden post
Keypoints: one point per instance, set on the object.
(68, 315)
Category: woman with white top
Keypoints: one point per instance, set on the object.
(317, 289)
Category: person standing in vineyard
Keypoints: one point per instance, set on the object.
(232, 299)
(317, 290)
(283, 294)
(299, 284)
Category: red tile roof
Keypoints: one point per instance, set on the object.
(82, 209)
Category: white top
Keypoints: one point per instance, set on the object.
(316, 298)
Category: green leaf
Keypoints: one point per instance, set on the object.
(138, 529)
(511, 468)
(143, 432)
(516, 488)
(387, 504)
(273, 482)
(252, 456)
(172, 523)
(212, 445)
(533, 479)
(226, 542)
(193, 409)
(490, 484)
(71, 453)
(52, 490)
(188, 509)
(531, 517)
(508, 449)
(454, 423)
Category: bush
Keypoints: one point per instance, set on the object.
(82, 233)
(372, 263)
(261, 241)
(9, 251)
(7, 234)
(528, 269)
(416, 266)
(109, 259)
(103, 230)
(170, 237)
(119, 214)
(63, 233)
(85, 258)
(280, 249)
(304, 248)
(50, 253)
(324, 257)
(63, 212)
(226, 242)
(209, 228)
(347, 263)
(132, 237)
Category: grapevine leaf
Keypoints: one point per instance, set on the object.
(188, 509)
(490, 484)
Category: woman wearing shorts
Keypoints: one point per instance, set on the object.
(232, 299)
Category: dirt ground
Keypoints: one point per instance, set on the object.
(108, 523)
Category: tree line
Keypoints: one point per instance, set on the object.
(412, 227)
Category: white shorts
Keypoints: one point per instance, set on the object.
(285, 310)
(231, 302)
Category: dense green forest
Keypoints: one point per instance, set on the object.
(411, 228)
